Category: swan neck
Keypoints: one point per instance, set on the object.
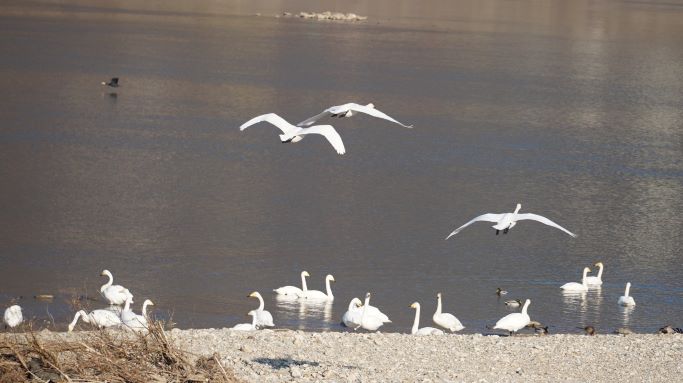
(519, 206)
(328, 288)
(626, 291)
(261, 304)
(109, 283)
(73, 322)
(600, 271)
(526, 306)
(416, 322)
(303, 283)
(126, 307)
(438, 305)
(352, 305)
(583, 280)
(144, 309)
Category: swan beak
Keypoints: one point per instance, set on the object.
(413, 306)
(306, 274)
(251, 295)
(332, 279)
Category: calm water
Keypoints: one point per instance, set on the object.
(571, 108)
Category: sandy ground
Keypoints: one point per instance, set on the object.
(279, 356)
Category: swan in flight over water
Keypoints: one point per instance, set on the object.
(293, 133)
(573, 286)
(506, 221)
(626, 300)
(515, 321)
(593, 280)
(348, 110)
(115, 294)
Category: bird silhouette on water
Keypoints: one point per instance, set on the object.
(114, 82)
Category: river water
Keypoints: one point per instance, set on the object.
(572, 109)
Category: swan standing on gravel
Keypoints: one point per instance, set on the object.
(13, 316)
(262, 317)
(293, 290)
(573, 286)
(348, 110)
(416, 324)
(506, 221)
(368, 321)
(353, 315)
(133, 320)
(319, 295)
(515, 321)
(596, 280)
(445, 320)
(115, 294)
(293, 133)
(99, 318)
(247, 326)
(626, 300)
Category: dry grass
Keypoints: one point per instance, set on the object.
(104, 356)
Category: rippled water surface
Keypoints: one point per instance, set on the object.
(572, 109)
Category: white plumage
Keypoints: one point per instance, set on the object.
(262, 317)
(99, 318)
(247, 326)
(352, 317)
(348, 110)
(13, 316)
(416, 324)
(319, 295)
(369, 322)
(134, 321)
(515, 321)
(115, 294)
(293, 290)
(573, 286)
(445, 320)
(596, 280)
(626, 300)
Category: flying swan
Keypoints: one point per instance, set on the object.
(115, 294)
(515, 321)
(626, 300)
(99, 318)
(293, 133)
(445, 320)
(262, 317)
(573, 286)
(348, 110)
(416, 324)
(293, 290)
(593, 280)
(319, 295)
(507, 221)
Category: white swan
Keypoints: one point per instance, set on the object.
(99, 318)
(506, 221)
(626, 300)
(596, 280)
(374, 311)
(115, 294)
(133, 320)
(319, 295)
(247, 326)
(295, 133)
(515, 321)
(263, 317)
(352, 317)
(367, 321)
(13, 316)
(348, 110)
(293, 290)
(416, 324)
(445, 320)
(573, 286)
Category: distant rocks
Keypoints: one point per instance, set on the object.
(327, 15)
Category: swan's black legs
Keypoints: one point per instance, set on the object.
(506, 230)
(497, 232)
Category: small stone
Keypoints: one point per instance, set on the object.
(295, 372)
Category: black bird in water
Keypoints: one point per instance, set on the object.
(114, 82)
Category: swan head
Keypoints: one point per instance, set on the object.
(368, 295)
(599, 264)
(415, 305)
(252, 312)
(255, 294)
(147, 302)
(586, 270)
(370, 105)
(305, 274)
(105, 272)
(330, 278)
(628, 286)
(438, 295)
(357, 302)
(518, 207)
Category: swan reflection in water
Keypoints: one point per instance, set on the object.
(304, 314)
(626, 314)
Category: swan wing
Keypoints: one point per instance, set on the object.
(488, 217)
(279, 122)
(367, 110)
(329, 132)
(264, 318)
(309, 121)
(542, 219)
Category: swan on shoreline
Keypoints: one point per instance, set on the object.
(506, 221)
(445, 320)
(293, 290)
(369, 322)
(352, 317)
(415, 330)
(247, 326)
(515, 321)
(115, 294)
(317, 294)
(574, 286)
(348, 110)
(13, 316)
(261, 317)
(132, 320)
(626, 300)
(596, 280)
(293, 133)
(100, 318)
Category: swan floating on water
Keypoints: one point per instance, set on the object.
(352, 316)
(293, 290)
(626, 300)
(369, 322)
(115, 294)
(506, 221)
(445, 320)
(99, 318)
(261, 317)
(132, 320)
(348, 110)
(293, 133)
(319, 295)
(416, 324)
(515, 321)
(573, 286)
(247, 326)
(596, 280)
(13, 316)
